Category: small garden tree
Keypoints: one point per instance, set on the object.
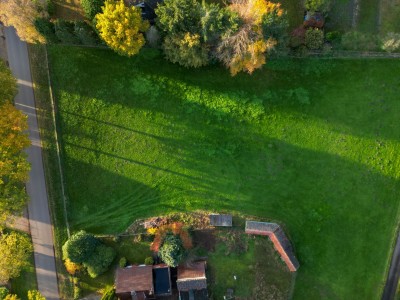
(246, 49)
(172, 251)
(314, 38)
(317, 5)
(122, 27)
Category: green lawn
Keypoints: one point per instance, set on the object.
(142, 137)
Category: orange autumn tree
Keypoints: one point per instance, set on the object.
(176, 229)
(246, 49)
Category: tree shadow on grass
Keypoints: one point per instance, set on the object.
(357, 97)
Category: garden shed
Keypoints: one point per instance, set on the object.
(192, 282)
(278, 238)
(221, 220)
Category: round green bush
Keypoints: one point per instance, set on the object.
(80, 247)
(314, 38)
(172, 251)
(3, 292)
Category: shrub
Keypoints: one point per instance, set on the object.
(100, 260)
(391, 42)
(85, 33)
(3, 292)
(317, 5)
(51, 8)
(109, 294)
(77, 292)
(35, 295)
(186, 49)
(149, 261)
(355, 40)
(71, 267)
(314, 38)
(80, 247)
(65, 32)
(172, 250)
(46, 28)
(91, 7)
(122, 262)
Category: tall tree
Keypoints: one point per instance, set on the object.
(15, 249)
(22, 15)
(121, 27)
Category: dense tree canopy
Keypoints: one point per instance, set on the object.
(13, 164)
(15, 249)
(91, 7)
(121, 27)
(22, 14)
(85, 249)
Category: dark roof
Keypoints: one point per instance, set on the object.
(221, 220)
(134, 278)
(261, 226)
(315, 20)
(277, 235)
(192, 276)
(162, 280)
(194, 295)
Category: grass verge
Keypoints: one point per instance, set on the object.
(37, 56)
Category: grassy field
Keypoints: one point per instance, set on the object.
(311, 143)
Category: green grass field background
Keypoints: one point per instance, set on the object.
(312, 144)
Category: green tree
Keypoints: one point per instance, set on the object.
(172, 251)
(121, 27)
(314, 38)
(15, 249)
(35, 295)
(99, 261)
(178, 16)
(91, 7)
(80, 247)
(186, 49)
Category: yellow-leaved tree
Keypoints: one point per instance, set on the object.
(121, 27)
(15, 249)
(21, 14)
(246, 49)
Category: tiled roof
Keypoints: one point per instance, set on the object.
(278, 237)
(192, 276)
(134, 278)
(221, 220)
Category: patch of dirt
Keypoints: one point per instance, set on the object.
(205, 239)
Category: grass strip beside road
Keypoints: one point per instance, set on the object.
(37, 56)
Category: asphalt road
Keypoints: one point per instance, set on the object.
(394, 273)
(38, 209)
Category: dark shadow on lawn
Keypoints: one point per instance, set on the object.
(358, 97)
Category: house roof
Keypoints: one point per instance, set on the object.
(278, 237)
(134, 278)
(221, 220)
(192, 276)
